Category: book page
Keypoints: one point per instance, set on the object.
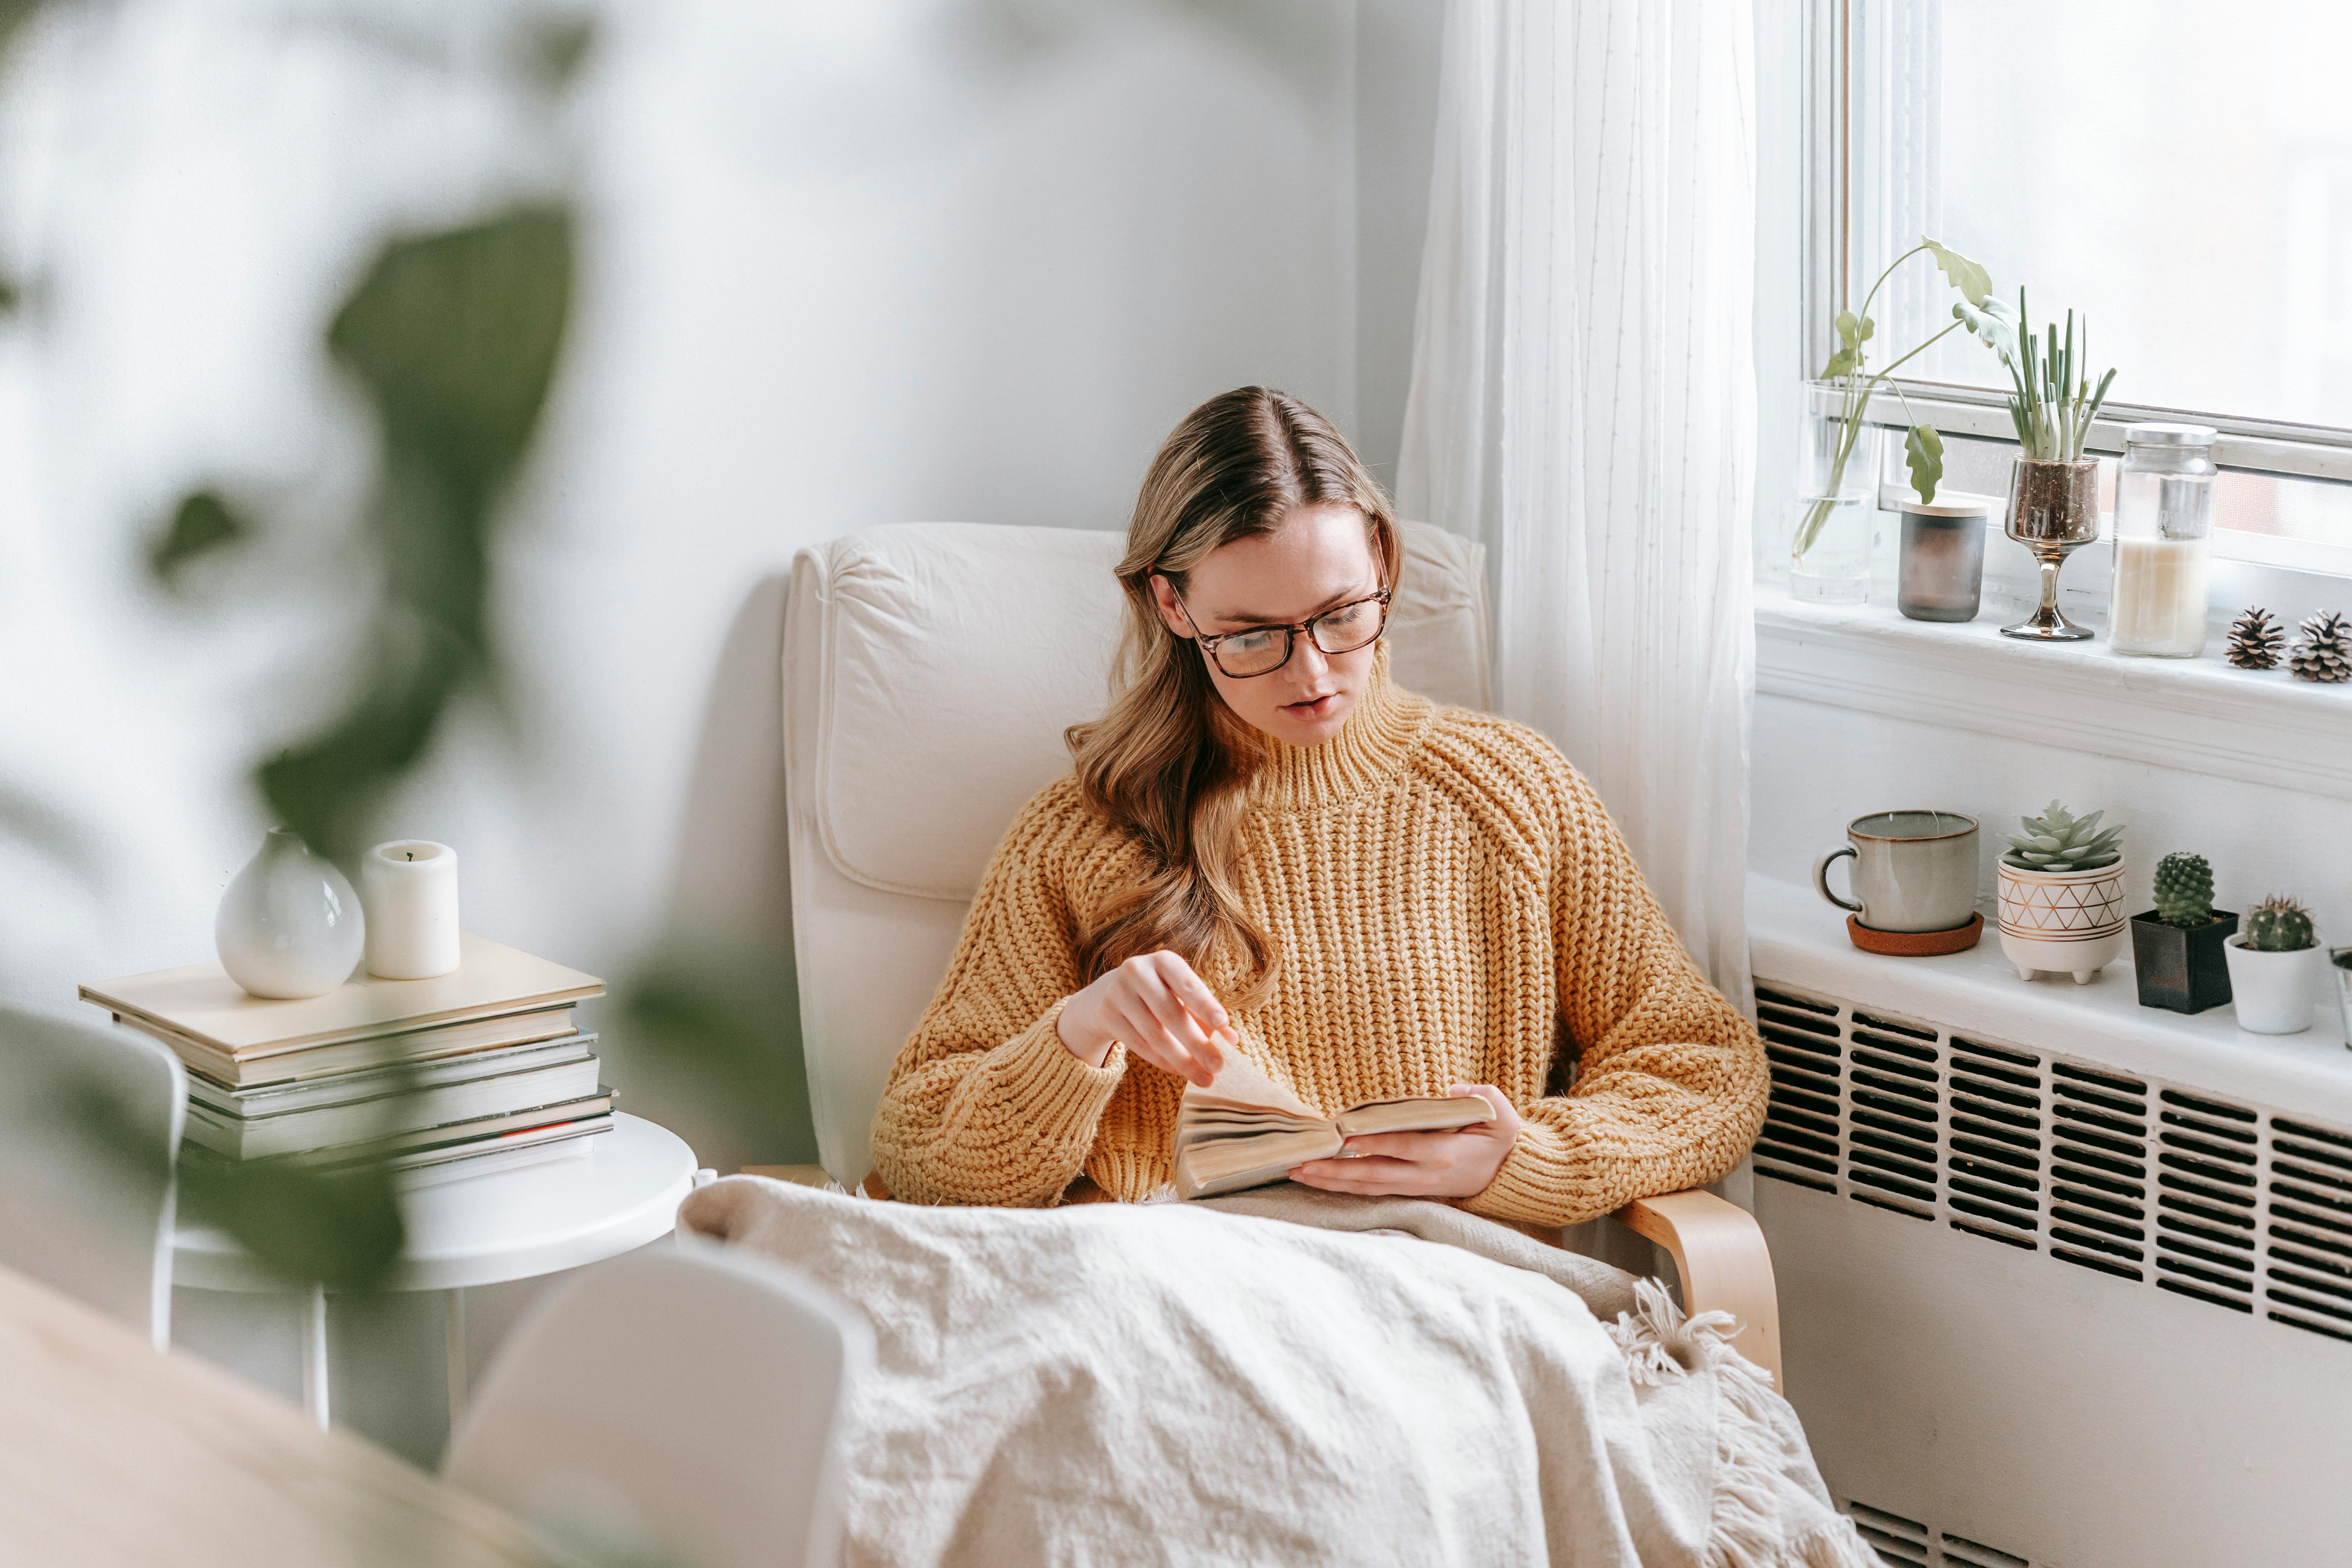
(1415, 1115)
(1241, 1085)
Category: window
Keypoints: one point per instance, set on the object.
(2179, 174)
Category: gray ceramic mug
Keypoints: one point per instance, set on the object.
(1912, 870)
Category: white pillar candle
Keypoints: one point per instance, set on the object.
(409, 890)
(2160, 597)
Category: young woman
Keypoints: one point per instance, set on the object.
(1266, 846)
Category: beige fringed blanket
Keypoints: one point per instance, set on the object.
(1282, 1377)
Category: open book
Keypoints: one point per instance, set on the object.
(1246, 1130)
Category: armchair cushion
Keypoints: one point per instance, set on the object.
(961, 651)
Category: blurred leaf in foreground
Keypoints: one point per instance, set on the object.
(454, 338)
(340, 1228)
(202, 523)
(726, 1017)
(555, 48)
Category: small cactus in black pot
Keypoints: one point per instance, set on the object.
(2177, 947)
(2184, 890)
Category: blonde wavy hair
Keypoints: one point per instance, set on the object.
(1169, 762)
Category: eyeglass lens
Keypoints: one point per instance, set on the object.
(1265, 650)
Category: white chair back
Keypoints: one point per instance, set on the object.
(90, 1128)
(930, 671)
(675, 1405)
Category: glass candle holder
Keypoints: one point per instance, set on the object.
(2164, 514)
(1940, 573)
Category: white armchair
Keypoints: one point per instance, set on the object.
(930, 671)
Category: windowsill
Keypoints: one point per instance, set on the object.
(1799, 940)
(2199, 714)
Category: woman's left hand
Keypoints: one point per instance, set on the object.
(1457, 1164)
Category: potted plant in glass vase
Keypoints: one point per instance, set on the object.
(2177, 950)
(2275, 962)
(2062, 895)
(1829, 535)
(2053, 489)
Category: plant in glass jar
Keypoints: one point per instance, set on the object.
(2053, 507)
(1828, 542)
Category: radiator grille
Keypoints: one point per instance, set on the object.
(2308, 1270)
(2223, 1204)
(1906, 1542)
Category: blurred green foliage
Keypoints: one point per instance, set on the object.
(342, 1228)
(557, 48)
(201, 524)
(455, 337)
(724, 1011)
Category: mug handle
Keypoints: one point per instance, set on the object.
(1822, 877)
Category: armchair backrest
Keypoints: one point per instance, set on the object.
(930, 671)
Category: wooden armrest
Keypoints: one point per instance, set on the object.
(1719, 1249)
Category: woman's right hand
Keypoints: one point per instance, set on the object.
(1160, 1009)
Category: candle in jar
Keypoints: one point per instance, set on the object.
(408, 889)
(2160, 597)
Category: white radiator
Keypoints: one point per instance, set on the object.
(2042, 1304)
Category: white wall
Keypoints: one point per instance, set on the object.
(845, 265)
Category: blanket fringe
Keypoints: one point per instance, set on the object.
(1760, 1501)
(1659, 1342)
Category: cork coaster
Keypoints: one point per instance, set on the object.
(1916, 943)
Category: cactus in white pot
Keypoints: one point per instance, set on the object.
(2062, 895)
(2275, 964)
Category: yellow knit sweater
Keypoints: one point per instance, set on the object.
(1452, 905)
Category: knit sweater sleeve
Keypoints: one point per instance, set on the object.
(984, 1104)
(1672, 1080)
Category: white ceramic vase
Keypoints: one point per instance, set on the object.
(2272, 990)
(289, 924)
(2065, 922)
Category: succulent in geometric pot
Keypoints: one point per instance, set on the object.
(2062, 894)
(2275, 962)
(2178, 952)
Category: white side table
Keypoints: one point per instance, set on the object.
(618, 1193)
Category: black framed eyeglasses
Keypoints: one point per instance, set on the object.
(1262, 650)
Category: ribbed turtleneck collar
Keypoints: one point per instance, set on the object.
(1371, 747)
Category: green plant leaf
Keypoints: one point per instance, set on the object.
(1848, 328)
(1969, 277)
(1922, 448)
(342, 1228)
(1841, 364)
(1863, 333)
(1993, 328)
(455, 337)
(202, 523)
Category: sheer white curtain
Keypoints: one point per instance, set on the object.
(1583, 402)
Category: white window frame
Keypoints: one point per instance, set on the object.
(1832, 168)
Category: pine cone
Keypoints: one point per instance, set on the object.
(2326, 651)
(2255, 640)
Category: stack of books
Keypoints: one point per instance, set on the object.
(475, 1070)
